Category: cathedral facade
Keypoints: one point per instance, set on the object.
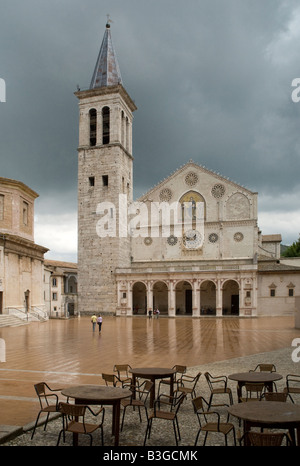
(190, 246)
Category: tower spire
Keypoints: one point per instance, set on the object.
(107, 71)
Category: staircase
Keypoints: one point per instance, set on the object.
(11, 321)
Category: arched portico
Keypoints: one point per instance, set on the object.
(184, 297)
(230, 297)
(160, 297)
(208, 298)
(139, 298)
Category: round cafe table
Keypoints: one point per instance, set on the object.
(153, 373)
(271, 414)
(254, 377)
(99, 395)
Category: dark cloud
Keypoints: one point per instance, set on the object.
(211, 80)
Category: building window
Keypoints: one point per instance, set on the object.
(54, 282)
(291, 291)
(93, 127)
(105, 180)
(248, 294)
(92, 181)
(105, 125)
(124, 295)
(25, 213)
(54, 296)
(272, 292)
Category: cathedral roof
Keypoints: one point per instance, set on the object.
(107, 72)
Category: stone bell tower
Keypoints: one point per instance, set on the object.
(104, 173)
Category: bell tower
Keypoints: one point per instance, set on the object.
(104, 173)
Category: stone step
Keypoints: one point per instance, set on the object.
(11, 321)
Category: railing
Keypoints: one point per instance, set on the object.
(33, 314)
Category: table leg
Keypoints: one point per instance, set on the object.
(172, 385)
(116, 422)
(239, 390)
(152, 393)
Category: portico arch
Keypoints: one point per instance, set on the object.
(208, 297)
(139, 298)
(160, 297)
(184, 297)
(230, 305)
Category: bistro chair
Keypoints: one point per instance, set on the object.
(123, 374)
(292, 385)
(264, 439)
(275, 396)
(74, 421)
(254, 392)
(187, 384)
(215, 426)
(218, 386)
(264, 368)
(180, 370)
(142, 392)
(171, 405)
(49, 402)
(111, 380)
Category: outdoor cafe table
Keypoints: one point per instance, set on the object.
(99, 395)
(271, 414)
(153, 373)
(254, 377)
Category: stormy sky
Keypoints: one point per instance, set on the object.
(212, 80)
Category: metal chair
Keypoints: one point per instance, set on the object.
(264, 439)
(254, 392)
(142, 392)
(187, 384)
(123, 374)
(292, 385)
(74, 420)
(275, 396)
(264, 368)
(218, 386)
(111, 380)
(180, 370)
(173, 404)
(49, 402)
(211, 427)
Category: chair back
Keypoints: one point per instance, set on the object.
(254, 390)
(275, 396)
(266, 439)
(43, 396)
(264, 368)
(215, 381)
(110, 379)
(198, 403)
(122, 369)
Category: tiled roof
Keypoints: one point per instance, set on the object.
(107, 72)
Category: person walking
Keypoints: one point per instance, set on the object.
(94, 320)
(99, 322)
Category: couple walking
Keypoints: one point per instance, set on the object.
(96, 320)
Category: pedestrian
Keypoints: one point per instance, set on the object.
(157, 313)
(150, 313)
(99, 322)
(94, 320)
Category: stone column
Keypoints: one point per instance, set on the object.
(171, 299)
(219, 298)
(196, 299)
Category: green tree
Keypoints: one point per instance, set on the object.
(293, 250)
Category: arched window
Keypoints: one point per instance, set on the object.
(93, 127)
(105, 125)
